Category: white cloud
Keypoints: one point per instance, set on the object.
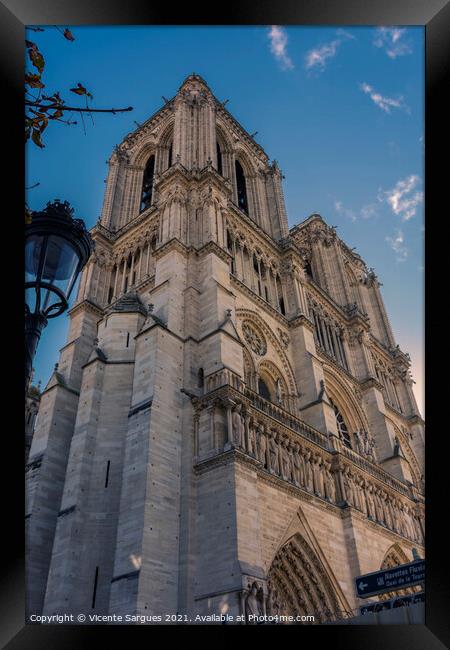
(368, 211)
(397, 243)
(403, 198)
(391, 40)
(278, 46)
(346, 212)
(385, 103)
(318, 57)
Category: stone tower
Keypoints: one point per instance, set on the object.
(231, 426)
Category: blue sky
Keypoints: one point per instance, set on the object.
(341, 110)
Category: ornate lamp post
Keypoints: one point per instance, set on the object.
(57, 247)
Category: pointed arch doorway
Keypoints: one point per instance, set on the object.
(298, 584)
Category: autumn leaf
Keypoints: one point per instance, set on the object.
(36, 137)
(34, 80)
(68, 34)
(81, 90)
(36, 57)
(56, 115)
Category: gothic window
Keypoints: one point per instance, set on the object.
(342, 427)
(241, 187)
(147, 184)
(169, 162)
(263, 390)
(255, 339)
(281, 305)
(230, 250)
(219, 160)
(200, 378)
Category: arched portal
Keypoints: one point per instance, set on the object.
(395, 556)
(299, 585)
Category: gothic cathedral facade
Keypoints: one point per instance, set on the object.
(231, 421)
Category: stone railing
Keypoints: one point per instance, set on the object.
(375, 470)
(279, 444)
(282, 413)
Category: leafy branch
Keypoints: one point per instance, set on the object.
(41, 108)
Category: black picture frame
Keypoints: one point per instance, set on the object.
(435, 16)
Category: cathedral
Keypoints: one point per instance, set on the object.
(230, 428)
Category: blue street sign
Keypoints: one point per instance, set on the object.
(398, 577)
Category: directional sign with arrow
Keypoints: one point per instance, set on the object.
(398, 577)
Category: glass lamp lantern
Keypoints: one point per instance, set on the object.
(57, 247)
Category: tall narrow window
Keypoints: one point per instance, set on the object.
(219, 160)
(147, 184)
(169, 164)
(263, 389)
(241, 187)
(342, 427)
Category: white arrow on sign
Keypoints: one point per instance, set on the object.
(362, 585)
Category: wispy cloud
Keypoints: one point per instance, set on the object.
(397, 243)
(318, 56)
(391, 40)
(367, 211)
(385, 103)
(404, 197)
(343, 211)
(278, 46)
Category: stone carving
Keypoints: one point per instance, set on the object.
(237, 426)
(309, 485)
(273, 451)
(255, 340)
(273, 602)
(284, 338)
(297, 469)
(252, 450)
(262, 446)
(253, 603)
(286, 468)
(329, 486)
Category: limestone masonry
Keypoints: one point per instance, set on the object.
(231, 428)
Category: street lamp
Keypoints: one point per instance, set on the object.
(57, 247)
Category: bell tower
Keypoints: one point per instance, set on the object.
(224, 425)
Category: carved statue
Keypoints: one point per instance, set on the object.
(251, 448)
(272, 603)
(317, 475)
(273, 451)
(309, 484)
(237, 426)
(253, 606)
(329, 486)
(296, 467)
(262, 445)
(361, 485)
(350, 497)
(286, 469)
